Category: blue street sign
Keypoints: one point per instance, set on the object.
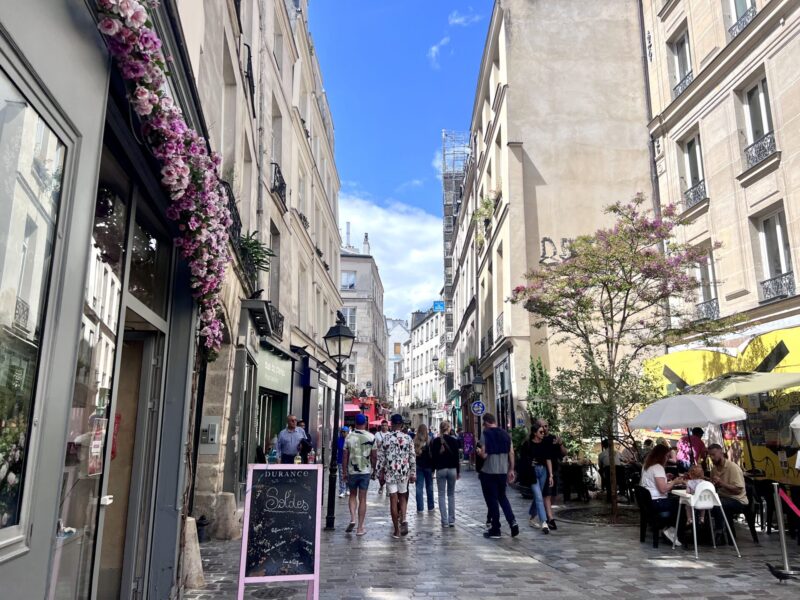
(438, 306)
(478, 408)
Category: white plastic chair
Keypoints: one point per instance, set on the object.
(704, 498)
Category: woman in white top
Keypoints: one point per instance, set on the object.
(654, 479)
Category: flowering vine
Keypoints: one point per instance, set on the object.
(188, 171)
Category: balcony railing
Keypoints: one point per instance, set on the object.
(743, 22)
(707, 311)
(781, 286)
(235, 236)
(303, 219)
(499, 327)
(276, 320)
(695, 194)
(483, 347)
(489, 338)
(682, 84)
(278, 182)
(760, 150)
(21, 314)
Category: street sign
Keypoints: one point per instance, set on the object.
(478, 408)
(438, 306)
(280, 539)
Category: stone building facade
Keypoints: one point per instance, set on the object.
(396, 335)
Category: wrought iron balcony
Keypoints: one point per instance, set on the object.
(682, 84)
(303, 219)
(278, 182)
(21, 314)
(276, 320)
(235, 229)
(781, 286)
(760, 150)
(743, 22)
(483, 347)
(499, 326)
(707, 311)
(489, 338)
(695, 194)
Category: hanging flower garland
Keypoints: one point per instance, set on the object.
(188, 172)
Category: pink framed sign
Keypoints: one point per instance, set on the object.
(281, 533)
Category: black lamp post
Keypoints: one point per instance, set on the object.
(339, 344)
(477, 389)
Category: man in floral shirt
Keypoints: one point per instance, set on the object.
(397, 466)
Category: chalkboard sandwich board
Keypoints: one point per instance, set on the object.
(280, 539)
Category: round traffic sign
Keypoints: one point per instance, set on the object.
(478, 408)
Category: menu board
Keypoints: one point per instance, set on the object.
(280, 541)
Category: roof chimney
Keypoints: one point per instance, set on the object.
(347, 244)
(365, 249)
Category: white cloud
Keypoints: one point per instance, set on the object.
(406, 242)
(433, 51)
(461, 20)
(408, 185)
(436, 163)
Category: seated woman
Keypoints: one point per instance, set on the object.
(654, 479)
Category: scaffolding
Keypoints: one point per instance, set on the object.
(455, 154)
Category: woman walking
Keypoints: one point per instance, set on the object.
(536, 470)
(444, 459)
(422, 448)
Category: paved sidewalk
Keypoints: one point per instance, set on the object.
(577, 561)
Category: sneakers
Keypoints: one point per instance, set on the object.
(671, 534)
(341, 495)
(451, 524)
(492, 534)
(533, 521)
(514, 530)
(545, 529)
(551, 523)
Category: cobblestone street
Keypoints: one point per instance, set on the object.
(577, 561)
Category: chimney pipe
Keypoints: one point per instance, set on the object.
(365, 249)
(347, 245)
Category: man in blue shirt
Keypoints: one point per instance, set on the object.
(289, 440)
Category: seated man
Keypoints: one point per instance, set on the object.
(729, 480)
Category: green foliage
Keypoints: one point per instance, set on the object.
(254, 251)
(518, 436)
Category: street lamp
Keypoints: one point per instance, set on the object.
(477, 388)
(339, 344)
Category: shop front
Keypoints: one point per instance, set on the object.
(97, 325)
(274, 397)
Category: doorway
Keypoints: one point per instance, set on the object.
(127, 522)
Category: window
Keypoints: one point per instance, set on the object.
(350, 317)
(277, 45)
(738, 15)
(33, 169)
(707, 303)
(682, 63)
(775, 254)
(397, 349)
(693, 183)
(758, 123)
(350, 375)
(348, 280)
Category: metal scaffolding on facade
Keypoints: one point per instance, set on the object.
(455, 152)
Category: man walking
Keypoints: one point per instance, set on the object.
(398, 467)
(289, 440)
(340, 457)
(358, 463)
(557, 452)
(496, 473)
(379, 437)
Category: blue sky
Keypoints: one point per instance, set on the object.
(396, 73)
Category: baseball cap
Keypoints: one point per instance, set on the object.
(361, 419)
(397, 419)
(345, 428)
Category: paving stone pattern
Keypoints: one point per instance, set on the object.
(577, 561)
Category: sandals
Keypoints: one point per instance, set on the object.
(350, 528)
(404, 528)
(363, 532)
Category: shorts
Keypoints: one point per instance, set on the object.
(397, 487)
(359, 481)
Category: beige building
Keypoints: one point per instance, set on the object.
(725, 105)
(362, 299)
(261, 92)
(552, 141)
(423, 396)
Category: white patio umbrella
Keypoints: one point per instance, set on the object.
(688, 410)
(795, 425)
(745, 383)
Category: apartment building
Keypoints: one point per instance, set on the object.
(362, 298)
(425, 375)
(396, 335)
(552, 141)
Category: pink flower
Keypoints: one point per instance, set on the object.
(127, 7)
(139, 17)
(109, 26)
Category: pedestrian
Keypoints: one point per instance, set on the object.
(306, 445)
(359, 461)
(289, 440)
(558, 451)
(536, 470)
(340, 457)
(496, 473)
(422, 451)
(384, 430)
(444, 459)
(397, 465)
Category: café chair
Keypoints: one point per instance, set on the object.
(647, 516)
(704, 498)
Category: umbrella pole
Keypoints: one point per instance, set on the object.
(749, 446)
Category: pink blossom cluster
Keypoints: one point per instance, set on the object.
(188, 171)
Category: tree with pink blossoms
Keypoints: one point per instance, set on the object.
(626, 293)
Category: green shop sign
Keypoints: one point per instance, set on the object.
(274, 372)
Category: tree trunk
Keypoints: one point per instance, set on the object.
(612, 475)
